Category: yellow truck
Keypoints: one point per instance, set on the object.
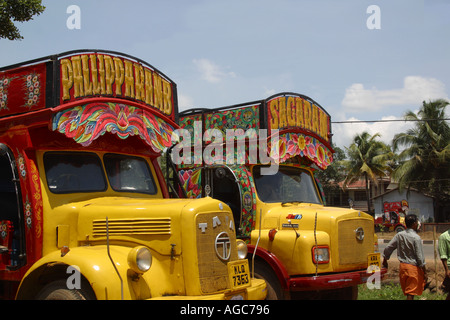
(87, 213)
(302, 248)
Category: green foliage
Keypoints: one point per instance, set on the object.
(335, 173)
(392, 291)
(424, 163)
(368, 158)
(17, 10)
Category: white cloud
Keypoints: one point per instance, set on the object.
(211, 72)
(185, 102)
(343, 133)
(415, 90)
(269, 92)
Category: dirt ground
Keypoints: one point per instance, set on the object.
(433, 276)
(435, 270)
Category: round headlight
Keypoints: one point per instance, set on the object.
(242, 249)
(140, 259)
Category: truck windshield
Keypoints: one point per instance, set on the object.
(74, 172)
(289, 184)
(129, 174)
(69, 172)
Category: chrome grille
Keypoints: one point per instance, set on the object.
(352, 250)
(213, 272)
(127, 227)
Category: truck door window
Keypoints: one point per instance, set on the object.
(72, 172)
(289, 184)
(129, 174)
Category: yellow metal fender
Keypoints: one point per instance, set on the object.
(93, 264)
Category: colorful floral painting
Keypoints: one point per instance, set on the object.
(4, 229)
(242, 118)
(28, 213)
(86, 123)
(188, 123)
(22, 89)
(248, 198)
(295, 144)
(33, 89)
(4, 84)
(21, 165)
(192, 182)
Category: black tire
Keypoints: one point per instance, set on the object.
(274, 289)
(57, 290)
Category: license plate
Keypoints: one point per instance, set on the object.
(373, 262)
(239, 274)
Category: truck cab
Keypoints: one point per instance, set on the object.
(298, 245)
(88, 212)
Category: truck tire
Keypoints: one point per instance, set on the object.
(274, 289)
(57, 290)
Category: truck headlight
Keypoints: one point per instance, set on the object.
(320, 254)
(140, 259)
(242, 249)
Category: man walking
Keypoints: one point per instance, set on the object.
(410, 254)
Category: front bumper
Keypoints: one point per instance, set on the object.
(257, 291)
(333, 281)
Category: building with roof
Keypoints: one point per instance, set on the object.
(417, 203)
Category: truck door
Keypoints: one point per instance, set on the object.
(12, 240)
(225, 187)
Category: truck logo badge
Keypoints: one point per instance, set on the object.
(216, 221)
(294, 216)
(223, 246)
(359, 232)
(203, 226)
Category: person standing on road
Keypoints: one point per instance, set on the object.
(444, 252)
(412, 260)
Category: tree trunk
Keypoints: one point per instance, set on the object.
(367, 194)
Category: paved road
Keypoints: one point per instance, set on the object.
(428, 249)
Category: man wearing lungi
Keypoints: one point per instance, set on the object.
(412, 270)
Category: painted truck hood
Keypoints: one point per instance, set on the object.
(156, 223)
(305, 214)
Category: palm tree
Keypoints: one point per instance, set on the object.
(368, 158)
(425, 159)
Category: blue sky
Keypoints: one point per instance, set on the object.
(227, 52)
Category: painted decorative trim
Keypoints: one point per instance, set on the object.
(293, 144)
(86, 123)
